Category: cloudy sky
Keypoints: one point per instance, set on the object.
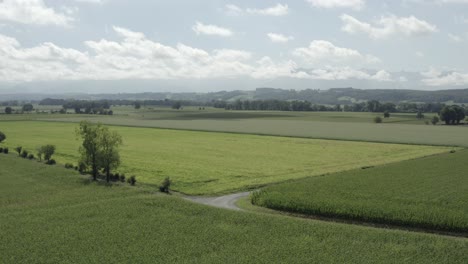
(215, 45)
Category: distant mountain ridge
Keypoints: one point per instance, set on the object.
(330, 96)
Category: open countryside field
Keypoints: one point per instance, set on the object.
(208, 163)
(323, 125)
(431, 192)
(53, 215)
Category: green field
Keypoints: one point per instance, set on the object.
(207, 163)
(430, 193)
(400, 128)
(52, 215)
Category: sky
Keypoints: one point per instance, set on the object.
(152, 45)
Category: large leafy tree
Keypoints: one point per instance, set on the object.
(452, 114)
(99, 148)
(109, 143)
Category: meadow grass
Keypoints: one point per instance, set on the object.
(328, 126)
(207, 163)
(431, 192)
(52, 215)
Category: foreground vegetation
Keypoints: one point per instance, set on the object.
(431, 192)
(53, 215)
(207, 163)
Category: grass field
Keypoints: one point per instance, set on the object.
(52, 215)
(207, 163)
(355, 131)
(400, 128)
(430, 192)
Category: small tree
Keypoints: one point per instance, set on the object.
(2, 136)
(386, 114)
(28, 107)
(47, 151)
(377, 119)
(176, 105)
(137, 105)
(8, 110)
(18, 150)
(435, 120)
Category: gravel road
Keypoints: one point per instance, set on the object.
(226, 201)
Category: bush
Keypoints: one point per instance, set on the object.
(82, 167)
(1, 150)
(122, 177)
(51, 162)
(165, 185)
(18, 150)
(2, 136)
(24, 154)
(377, 119)
(386, 114)
(132, 180)
(31, 156)
(68, 166)
(435, 120)
(5, 150)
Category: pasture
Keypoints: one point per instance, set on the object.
(53, 215)
(430, 192)
(209, 163)
(400, 128)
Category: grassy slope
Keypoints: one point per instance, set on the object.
(204, 163)
(431, 192)
(52, 215)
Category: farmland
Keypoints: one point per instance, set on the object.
(51, 215)
(431, 192)
(208, 163)
(399, 128)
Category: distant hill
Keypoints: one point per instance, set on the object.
(330, 96)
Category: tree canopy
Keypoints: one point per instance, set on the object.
(99, 148)
(452, 114)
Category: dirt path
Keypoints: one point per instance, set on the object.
(226, 201)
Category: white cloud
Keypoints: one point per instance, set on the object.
(434, 78)
(233, 10)
(354, 4)
(453, 1)
(277, 10)
(279, 38)
(33, 12)
(134, 56)
(213, 30)
(387, 26)
(455, 38)
(419, 54)
(321, 52)
(91, 1)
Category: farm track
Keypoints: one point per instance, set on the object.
(225, 201)
(230, 202)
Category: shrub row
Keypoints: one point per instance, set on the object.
(4, 150)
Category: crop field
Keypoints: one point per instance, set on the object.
(208, 163)
(399, 128)
(53, 215)
(431, 192)
(246, 124)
